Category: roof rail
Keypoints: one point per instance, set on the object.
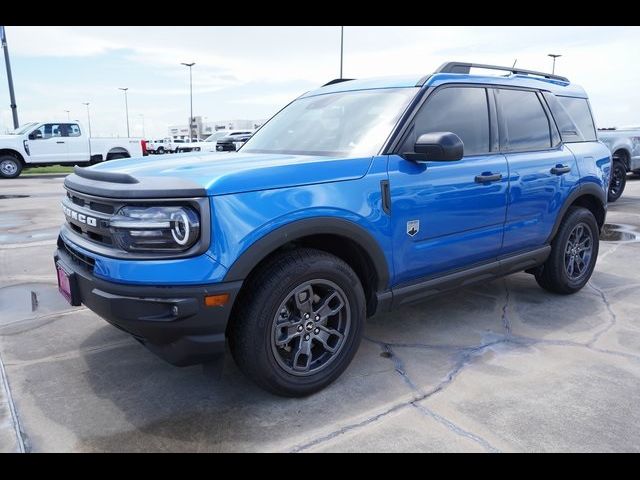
(338, 80)
(462, 67)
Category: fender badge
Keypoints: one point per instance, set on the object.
(413, 227)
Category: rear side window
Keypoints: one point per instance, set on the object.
(463, 111)
(578, 110)
(526, 123)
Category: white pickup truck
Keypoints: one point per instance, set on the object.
(624, 144)
(59, 143)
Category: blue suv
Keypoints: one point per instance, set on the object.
(359, 197)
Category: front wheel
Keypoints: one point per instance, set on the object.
(10, 166)
(574, 252)
(618, 181)
(298, 323)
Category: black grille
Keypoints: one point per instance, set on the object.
(97, 209)
(76, 256)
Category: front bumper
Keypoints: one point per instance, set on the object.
(172, 321)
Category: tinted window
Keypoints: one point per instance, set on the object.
(49, 130)
(525, 120)
(463, 111)
(73, 130)
(578, 110)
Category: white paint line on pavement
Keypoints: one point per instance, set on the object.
(12, 408)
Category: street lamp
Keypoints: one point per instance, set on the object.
(126, 106)
(88, 117)
(142, 116)
(554, 56)
(12, 95)
(68, 115)
(341, 48)
(190, 98)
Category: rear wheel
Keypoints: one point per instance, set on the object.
(160, 150)
(618, 180)
(574, 252)
(10, 166)
(299, 322)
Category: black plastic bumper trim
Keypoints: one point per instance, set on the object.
(172, 321)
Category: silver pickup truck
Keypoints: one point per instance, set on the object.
(624, 144)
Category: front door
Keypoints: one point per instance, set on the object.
(47, 145)
(448, 216)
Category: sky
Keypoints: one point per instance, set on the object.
(252, 72)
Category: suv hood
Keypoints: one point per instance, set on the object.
(224, 173)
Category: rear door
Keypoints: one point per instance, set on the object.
(542, 171)
(77, 145)
(449, 215)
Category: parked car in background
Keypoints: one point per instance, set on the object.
(624, 144)
(233, 141)
(209, 144)
(59, 143)
(359, 197)
(159, 146)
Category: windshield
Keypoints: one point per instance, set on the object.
(24, 128)
(215, 136)
(347, 124)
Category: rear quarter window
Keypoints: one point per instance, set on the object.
(580, 114)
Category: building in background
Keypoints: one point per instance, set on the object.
(204, 128)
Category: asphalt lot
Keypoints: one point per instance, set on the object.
(502, 366)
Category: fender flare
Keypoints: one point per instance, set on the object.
(582, 190)
(259, 250)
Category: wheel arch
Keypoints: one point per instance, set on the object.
(118, 150)
(622, 154)
(14, 153)
(589, 196)
(342, 238)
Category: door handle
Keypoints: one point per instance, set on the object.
(560, 169)
(59, 142)
(488, 177)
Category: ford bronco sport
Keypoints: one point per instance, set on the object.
(359, 197)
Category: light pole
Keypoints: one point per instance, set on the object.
(68, 115)
(554, 56)
(190, 99)
(142, 116)
(88, 117)
(341, 48)
(126, 107)
(12, 95)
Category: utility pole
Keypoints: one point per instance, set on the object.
(126, 107)
(12, 95)
(554, 56)
(68, 115)
(341, 48)
(190, 99)
(88, 117)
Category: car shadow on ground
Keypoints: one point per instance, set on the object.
(162, 407)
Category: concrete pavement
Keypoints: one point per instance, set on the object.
(502, 366)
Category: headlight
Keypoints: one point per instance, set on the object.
(140, 229)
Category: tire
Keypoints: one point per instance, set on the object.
(556, 274)
(160, 150)
(618, 181)
(10, 166)
(272, 354)
(115, 156)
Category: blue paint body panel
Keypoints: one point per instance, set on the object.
(461, 222)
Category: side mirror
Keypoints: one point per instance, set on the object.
(35, 135)
(438, 147)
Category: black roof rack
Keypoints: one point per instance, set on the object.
(338, 80)
(462, 67)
